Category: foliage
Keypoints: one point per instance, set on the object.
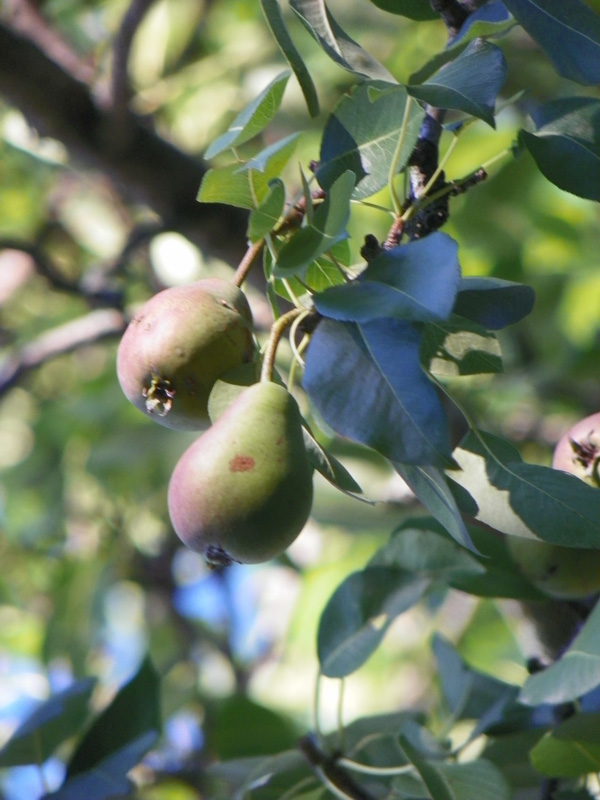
(451, 360)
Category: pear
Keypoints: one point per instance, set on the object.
(178, 344)
(243, 490)
(566, 573)
(578, 450)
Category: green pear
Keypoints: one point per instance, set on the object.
(578, 450)
(243, 490)
(178, 344)
(567, 573)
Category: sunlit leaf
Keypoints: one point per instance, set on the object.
(470, 83)
(362, 135)
(253, 119)
(359, 613)
(276, 22)
(460, 347)
(566, 144)
(329, 466)
(571, 749)
(569, 34)
(266, 216)
(327, 228)
(336, 43)
(526, 499)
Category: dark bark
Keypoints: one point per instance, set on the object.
(144, 167)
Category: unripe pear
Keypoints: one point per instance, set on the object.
(178, 344)
(566, 572)
(243, 490)
(578, 450)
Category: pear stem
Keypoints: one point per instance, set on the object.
(277, 330)
(247, 262)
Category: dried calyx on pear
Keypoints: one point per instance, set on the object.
(178, 344)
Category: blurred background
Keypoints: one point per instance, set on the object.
(92, 223)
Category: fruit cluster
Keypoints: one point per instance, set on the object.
(243, 490)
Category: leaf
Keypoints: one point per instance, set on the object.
(481, 779)
(229, 185)
(266, 216)
(327, 228)
(359, 613)
(253, 119)
(366, 380)
(281, 151)
(329, 467)
(569, 34)
(362, 134)
(133, 713)
(53, 721)
(566, 145)
(107, 779)
(460, 347)
(243, 185)
(319, 22)
(525, 499)
(274, 17)
(492, 19)
(575, 673)
(419, 548)
(493, 302)
(470, 83)
(414, 9)
(430, 486)
(571, 750)
(415, 282)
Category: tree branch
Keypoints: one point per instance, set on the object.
(120, 89)
(144, 167)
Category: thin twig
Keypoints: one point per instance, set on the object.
(120, 88)
(100, 324)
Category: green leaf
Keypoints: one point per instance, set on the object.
(330, 468)
(318, 20)
(491, 20)
(420, 549)
(327, 228)
(525, 499)
(274, 17)
(362, 134)
(567, 757)
(267, 215)
(231, 186)
(479, 779)
(470, 83)
(460, 347)
(133, 713)
(576, 672)
(277, 153)
(431, 488)
(566, 145)
(569, 34)
(53, 721)
(359, 613)
(253, 119)
(245, 186)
